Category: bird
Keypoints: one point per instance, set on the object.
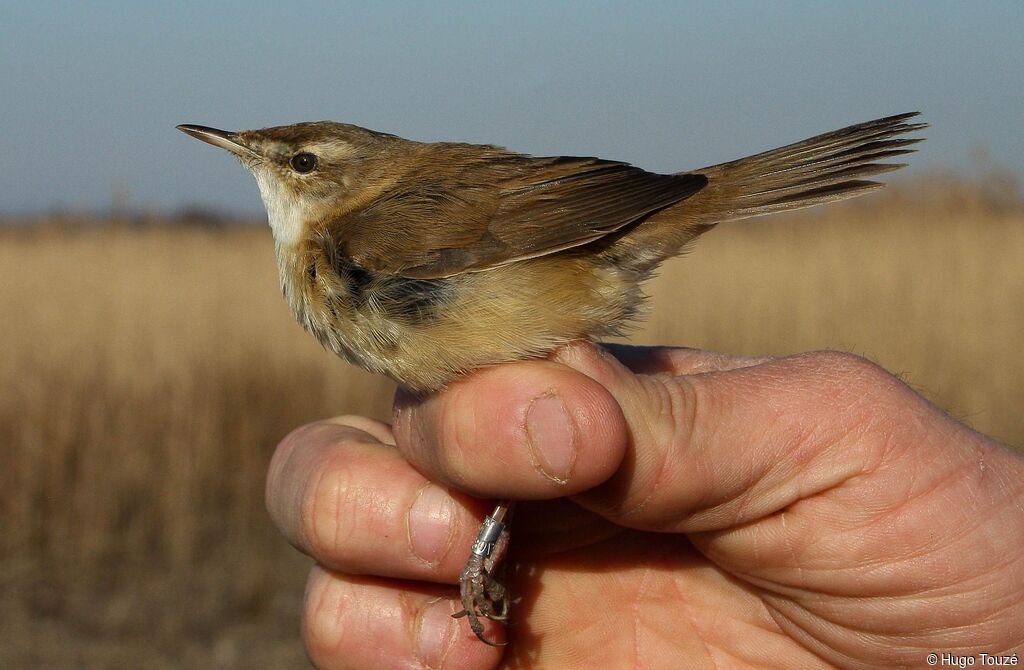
(424, 261)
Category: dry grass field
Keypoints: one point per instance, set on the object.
(146, 373)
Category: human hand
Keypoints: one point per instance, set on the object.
(695, 509)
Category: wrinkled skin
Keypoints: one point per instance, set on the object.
(711, 511)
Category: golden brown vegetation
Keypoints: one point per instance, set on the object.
(147, 374)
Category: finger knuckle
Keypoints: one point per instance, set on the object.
(856, 382)
(667, 429)
(323, 629)
(287, 481)
(845, 367)
(327, 506)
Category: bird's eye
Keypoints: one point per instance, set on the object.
(303, 163)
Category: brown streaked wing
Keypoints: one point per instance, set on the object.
(546, 205)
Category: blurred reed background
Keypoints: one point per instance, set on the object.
(148, 371)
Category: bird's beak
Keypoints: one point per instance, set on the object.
(220, 138)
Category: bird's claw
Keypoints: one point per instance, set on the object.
(482, 596)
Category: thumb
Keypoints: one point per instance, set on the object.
(714, 449)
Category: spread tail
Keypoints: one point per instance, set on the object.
(829, 167)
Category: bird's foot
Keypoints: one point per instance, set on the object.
(481, 594)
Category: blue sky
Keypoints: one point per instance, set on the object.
(92, 91)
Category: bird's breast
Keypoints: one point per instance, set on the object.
(382, 323)
(425, 332)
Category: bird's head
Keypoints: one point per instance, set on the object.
(306, 171)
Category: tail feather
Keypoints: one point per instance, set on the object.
(821, 169)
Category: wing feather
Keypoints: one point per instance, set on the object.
(498, 209)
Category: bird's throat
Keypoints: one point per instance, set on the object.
(285, 212)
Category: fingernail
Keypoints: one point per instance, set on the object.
(435, 633)
(551, 436)
(430, 523)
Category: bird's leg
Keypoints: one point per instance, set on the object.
(482, 595)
